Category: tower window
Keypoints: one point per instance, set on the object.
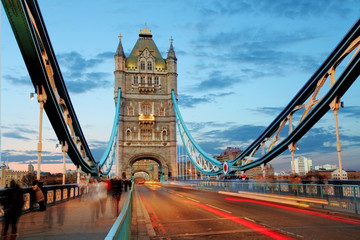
(142, 65)
(161, 111)
(131, 111)
(136, 81)
(157, 80)
(149, 65)
(128, 134)
(164, 135)
(146, 134)
(146, 109)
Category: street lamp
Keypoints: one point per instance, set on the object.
(41, 99)
(64, 150)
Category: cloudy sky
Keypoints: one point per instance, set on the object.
(239, 64)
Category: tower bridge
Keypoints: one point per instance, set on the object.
(147, 116)
(147, 125)
(143, 138)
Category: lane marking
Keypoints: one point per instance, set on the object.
(179, 195)
(193, 199)
(249, 219)
(218, 208)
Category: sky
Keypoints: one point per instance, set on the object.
(239, 64)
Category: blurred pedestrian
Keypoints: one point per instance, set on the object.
(93, 198)
(13, 206)
(116, 187)
(102, 197)
(39, 196)
(82, 187)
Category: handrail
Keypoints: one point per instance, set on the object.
(121, 229)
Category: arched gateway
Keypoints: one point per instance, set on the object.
(147, 125)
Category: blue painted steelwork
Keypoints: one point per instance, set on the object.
(31, 35)
(318, 108)
(121, 229)
(201, 160)
(107, 159)
(338, 89)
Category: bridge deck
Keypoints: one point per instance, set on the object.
(68, 220)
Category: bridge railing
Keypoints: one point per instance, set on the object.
(121, 229)
(341, 197)
(53, 194)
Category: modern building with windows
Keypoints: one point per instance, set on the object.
(302, 165)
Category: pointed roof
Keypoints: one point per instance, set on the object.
(171, 52)
(145, 41)
(120, 50)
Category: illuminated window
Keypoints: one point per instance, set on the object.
(142, 80)
(146, 134)
(142, 65)
(146, 109)
(136, 81)
(149, 65)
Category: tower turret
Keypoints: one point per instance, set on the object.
(171, 62)
(119, 73)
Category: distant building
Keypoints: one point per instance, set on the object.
(7, 175)
(30, 168)
(229, 153)
(302, 165)
(336, 174)
(326, 167)
(257, 172)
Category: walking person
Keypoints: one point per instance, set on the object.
(116, 187)
(39, 196)
(13, 206)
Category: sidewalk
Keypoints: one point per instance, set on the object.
(69, 220)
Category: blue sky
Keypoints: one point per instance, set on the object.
(239, 64)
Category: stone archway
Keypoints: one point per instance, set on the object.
(163, 167)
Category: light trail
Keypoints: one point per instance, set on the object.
(295, 210)
(265, 231)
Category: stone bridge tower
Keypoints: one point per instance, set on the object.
(147, 125)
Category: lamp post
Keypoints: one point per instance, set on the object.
(64, 150)
(41, 99)
(292, 150)
(335, 107)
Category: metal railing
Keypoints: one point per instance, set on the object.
(53, 194)
(340, 197)
(121, 229)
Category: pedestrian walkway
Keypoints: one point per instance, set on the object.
(74, 219)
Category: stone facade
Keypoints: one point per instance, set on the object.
(147, 124)
(7, 175)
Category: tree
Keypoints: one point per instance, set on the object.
(28, 179)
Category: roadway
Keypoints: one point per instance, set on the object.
(178, 213)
